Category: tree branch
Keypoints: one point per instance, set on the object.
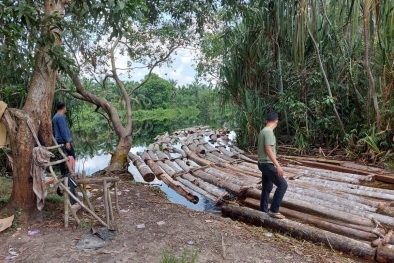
(122, 88)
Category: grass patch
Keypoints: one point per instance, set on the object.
(5, 189)
(157, 191)
(55, 198)
(188, 256)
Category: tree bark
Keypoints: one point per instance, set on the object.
(37, 109)
(119, 157)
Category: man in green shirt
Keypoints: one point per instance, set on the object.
(272, 172)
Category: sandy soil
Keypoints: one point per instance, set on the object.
(211, 237)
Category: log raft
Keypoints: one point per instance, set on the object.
(332, 197)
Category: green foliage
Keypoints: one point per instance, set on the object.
(157, 90)
(269, 63)
(188, 256)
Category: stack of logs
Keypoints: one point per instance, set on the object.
(330, 202)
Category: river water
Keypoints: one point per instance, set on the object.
(94, 159)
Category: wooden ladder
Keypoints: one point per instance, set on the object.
(63, 184)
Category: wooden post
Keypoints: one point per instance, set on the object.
(74, 214)
(66, 200)
(106, 201)
(111, 212)
(116, 198)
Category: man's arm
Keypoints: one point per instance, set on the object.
(271, 155)
(65, 132)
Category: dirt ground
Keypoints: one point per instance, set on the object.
(209, 237)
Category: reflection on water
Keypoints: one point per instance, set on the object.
(93, 147)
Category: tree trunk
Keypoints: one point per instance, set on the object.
(119, 157)
(37, 109)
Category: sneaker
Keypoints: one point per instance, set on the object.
(76, 207)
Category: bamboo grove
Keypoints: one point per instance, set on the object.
(325, 66)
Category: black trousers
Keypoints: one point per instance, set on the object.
(66, 173)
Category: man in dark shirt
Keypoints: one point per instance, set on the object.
(62, 135)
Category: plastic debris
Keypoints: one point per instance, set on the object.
(124, 210)
(140, 226)
(268, 234)
(96, 238)
(191, 242)
(11, 254)
(32, 232)
(161, 223)
(209, 221)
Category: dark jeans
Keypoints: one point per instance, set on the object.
(270, 177)
(63, 167)
(66, 173)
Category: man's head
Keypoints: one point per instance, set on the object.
(61, 107)
(272, 119)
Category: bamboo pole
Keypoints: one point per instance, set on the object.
(116, 198)
(106, 202)
(74, 214)
(62, 186)
(111, 212)
(66, 200)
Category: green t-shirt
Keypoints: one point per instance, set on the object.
(266, 137)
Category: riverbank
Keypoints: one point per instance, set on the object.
(180, 232)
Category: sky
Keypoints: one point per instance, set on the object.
(181, 69)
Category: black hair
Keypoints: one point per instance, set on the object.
(60, 105)
(272, 116)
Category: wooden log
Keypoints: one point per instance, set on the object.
(176, 150)
(344, 207)
(349, 188)
(336, 176)
(318, 222)
(218, 182)
(225, 176)
(173, 166)
(166, 168)
(177, 187)
(328, 197)
(152, 155)
(333, 167)
(151, 147)
(306, 173)
(144, 170)
(168, 154)
(156, 147)
(241, 176)
(197, 189)
(161, 156)
(183, 165)
(221, 156)
(245, 158)
(207, 145)
(237, 149)
(248, 168)
(307, 207)
(387, 178)
(215, 159)
(86, 200)
(210, 188)
(387, 237)
(237, 169)
(145, 156)
(96, 180)
(301, 231)
(213, 137)
(192, 156)
(196, 148)
(385, 254)
(226, 152)
(348, 196)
